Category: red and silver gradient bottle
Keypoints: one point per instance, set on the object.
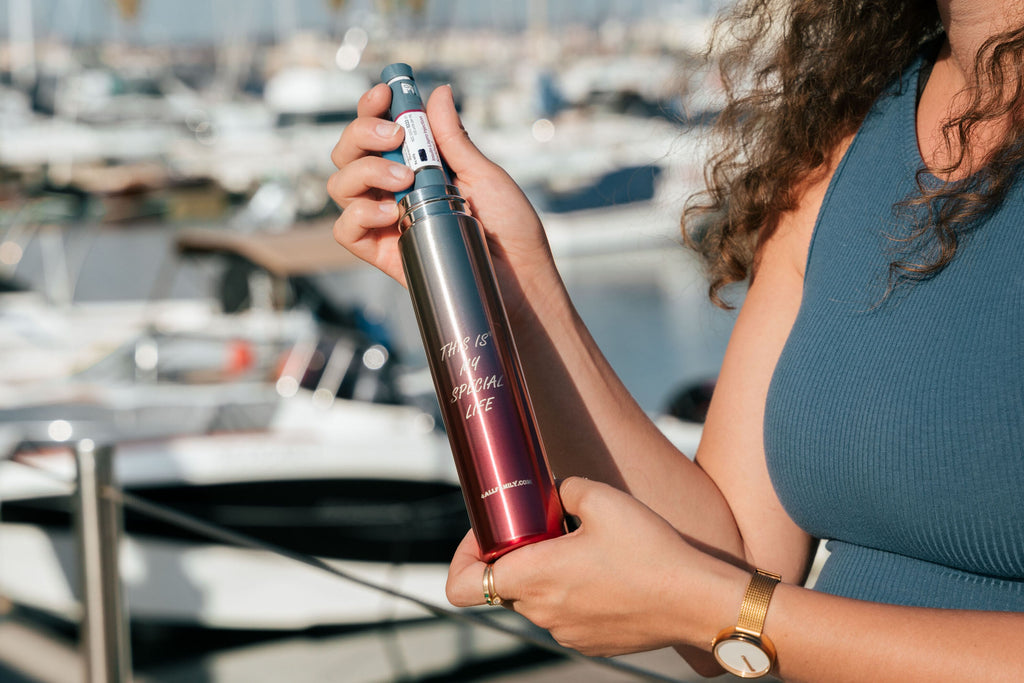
(507, 483)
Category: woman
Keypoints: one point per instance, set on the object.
(910, 295)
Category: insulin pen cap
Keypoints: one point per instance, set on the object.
(394, 71)
(404, 97)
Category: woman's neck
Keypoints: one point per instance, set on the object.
(969, 23)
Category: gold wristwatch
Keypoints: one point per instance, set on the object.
(743, 650)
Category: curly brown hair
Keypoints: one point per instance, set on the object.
(801, 78)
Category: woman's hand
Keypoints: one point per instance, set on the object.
(624, 581)
(365, 183)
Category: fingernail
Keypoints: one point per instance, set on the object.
(398, 171)
(387, 129)
(386, 208)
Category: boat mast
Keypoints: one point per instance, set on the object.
(23, 46)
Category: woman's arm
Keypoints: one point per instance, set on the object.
(826, 638)
(725, 500)
(590, 423)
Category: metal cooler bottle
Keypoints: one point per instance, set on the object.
(507, 483)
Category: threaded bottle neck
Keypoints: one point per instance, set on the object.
(432, 200)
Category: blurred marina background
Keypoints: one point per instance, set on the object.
(171, 298)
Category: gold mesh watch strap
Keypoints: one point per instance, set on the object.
(755, 602)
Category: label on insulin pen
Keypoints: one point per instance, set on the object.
(418, 149)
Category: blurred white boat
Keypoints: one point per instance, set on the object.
(368, 486)
(272, 423)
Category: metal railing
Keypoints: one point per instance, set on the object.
(98, 528)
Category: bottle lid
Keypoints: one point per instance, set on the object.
(396, 70)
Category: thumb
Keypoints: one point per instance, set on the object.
(457, 149)
(579, 495)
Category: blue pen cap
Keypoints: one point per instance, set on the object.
(395, 70)
(405, 95)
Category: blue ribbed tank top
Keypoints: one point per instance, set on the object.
(894, 426)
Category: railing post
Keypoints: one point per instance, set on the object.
(98, 522)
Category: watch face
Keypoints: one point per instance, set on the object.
(742, 657)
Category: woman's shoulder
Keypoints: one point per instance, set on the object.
(787, 244)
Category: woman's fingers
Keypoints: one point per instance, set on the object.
(368, 229)
(374, 102)
(371, 131)
(459, 151)
(574, 492)
(366, 135)
(365, 183)
(363, 215)
(368, 177)
(465, 574)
